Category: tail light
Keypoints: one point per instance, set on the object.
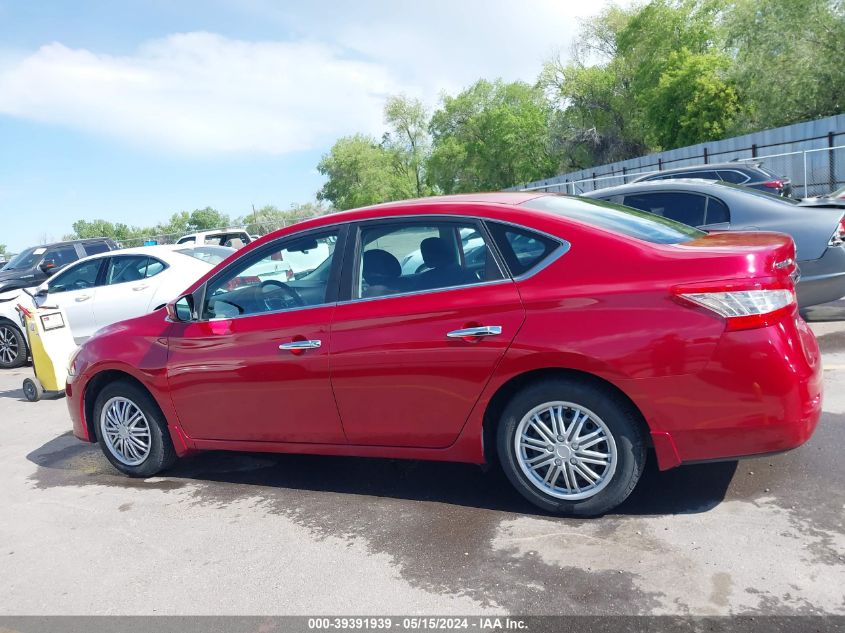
(838, 237)
(773, 184)
(743, 309)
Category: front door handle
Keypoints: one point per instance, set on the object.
(476, 332)
(141, 287)
(82, 298)
(294, 346)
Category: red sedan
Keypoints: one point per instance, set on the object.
(564, 338)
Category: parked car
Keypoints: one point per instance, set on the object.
(103, 289)
(233, 238)
(626, 331)
(818, 231)
(32, 266)
(746, 173)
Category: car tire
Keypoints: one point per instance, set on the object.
(132, 431)
(13, 349)
(610, 429)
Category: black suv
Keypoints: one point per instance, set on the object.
(745, 173)
(34, 265)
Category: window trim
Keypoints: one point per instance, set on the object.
(332, 284)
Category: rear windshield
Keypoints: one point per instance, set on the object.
(618, 219)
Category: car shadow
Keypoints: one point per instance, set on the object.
(220, 476)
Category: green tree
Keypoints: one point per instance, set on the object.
(359, 171)
(103, 228)
(693, 101)
(789, 59)
(408, 140)
(491, 136)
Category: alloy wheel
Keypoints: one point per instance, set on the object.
(9, 348)
(565, 450)
(125, 431)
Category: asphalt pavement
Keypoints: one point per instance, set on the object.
(286, 534)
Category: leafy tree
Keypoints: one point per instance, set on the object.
(103, 228)
(789, 59)
(693, 102)
(360, 172)
(491, 136)
(408, 140)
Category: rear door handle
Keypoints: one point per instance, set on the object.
(476, 332)
(82, 298)
(301, 345)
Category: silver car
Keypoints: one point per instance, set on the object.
(818, 230)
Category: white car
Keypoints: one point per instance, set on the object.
(103, 289)
(233, 238)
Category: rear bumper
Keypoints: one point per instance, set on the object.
(823, 279)
(760, 393)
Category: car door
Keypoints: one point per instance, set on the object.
(412, 351)
(129, 284)
(254, 363)
(75, 289)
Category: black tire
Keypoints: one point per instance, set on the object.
(619, 416)
(17, 341)
(32, 389)
(161, 454)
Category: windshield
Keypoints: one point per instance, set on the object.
(618, 219)
(26, 259)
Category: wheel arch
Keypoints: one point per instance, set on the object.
(96, 385)
(496, 405)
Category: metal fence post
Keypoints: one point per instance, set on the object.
(831, 162)
(754, 150)
(705, 156)
(659, 164)
(805, 174)
(624, 176)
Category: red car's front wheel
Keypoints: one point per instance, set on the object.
(131, 430)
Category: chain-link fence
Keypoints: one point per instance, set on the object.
(813, 172)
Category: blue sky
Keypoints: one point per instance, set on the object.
(130, 111)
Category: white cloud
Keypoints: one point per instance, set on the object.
(204, 93)
(200, 92)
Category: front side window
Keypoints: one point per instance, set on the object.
(293, 273)
(79, 277)
(687, 208)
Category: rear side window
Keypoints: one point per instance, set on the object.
(617, 219)
(62, 255)
(128, 268)
(717, 212)
(687, 208)
(736, 177)
(95, 248)
(522, 249)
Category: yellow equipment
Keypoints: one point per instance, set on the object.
(50, 344)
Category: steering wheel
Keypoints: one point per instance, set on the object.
(266, 295)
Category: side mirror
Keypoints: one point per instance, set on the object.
(42, 290)
(48, 266)
(182, 310)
